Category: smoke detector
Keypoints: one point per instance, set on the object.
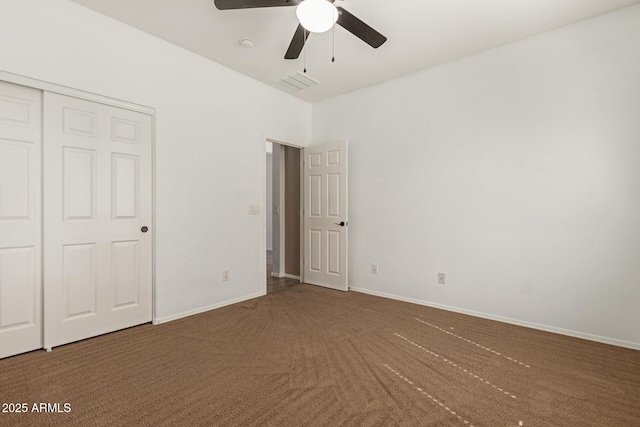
(247, 42)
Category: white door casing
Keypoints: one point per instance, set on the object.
(97, 194)
(20, 220)
(325, 208)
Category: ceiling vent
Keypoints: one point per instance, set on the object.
(296, 82)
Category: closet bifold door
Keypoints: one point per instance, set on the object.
(97, 219)
(20, 219)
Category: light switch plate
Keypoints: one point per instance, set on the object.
(254, 209)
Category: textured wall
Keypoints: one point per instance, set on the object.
(514, 172)
(210, 123)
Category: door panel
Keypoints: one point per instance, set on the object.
(80, 280)
(17, 296)
(325, 207)
(20, 220)
(79, 189)
(126, 284)
(16, 180)
(333, 196)
(98, 196)
(333, 245)
(124, 187)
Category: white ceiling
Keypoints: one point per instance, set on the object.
(421, 34)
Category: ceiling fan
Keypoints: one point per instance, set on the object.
(335, 14)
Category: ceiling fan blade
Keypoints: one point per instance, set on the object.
(297, 43)
(247, 4)
(359, 29)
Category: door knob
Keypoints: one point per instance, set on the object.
(144, 229)
(341, 223)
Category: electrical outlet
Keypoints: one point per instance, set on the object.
(374, 268)
(441, 278)
(226, 274)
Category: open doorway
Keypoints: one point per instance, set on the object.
(283, 216)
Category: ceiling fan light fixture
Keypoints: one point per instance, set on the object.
(317, 16)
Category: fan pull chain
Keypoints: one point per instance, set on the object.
(304, 57)
(333, 47)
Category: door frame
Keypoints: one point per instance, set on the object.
(263, 177)
(101, 99)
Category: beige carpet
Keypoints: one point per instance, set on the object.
(308, 356)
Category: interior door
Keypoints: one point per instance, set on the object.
(20, 220)
(326, 218)
(97, 194)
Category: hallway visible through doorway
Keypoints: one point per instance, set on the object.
(283, 215)
(277, 284)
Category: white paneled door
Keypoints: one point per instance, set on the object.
(97, 219)
(20, 220)
(326, 215)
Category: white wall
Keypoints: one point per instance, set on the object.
(514, 171)
(209, 139)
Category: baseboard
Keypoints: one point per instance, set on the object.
(532, 325)
(282, 275)
(177, 316)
